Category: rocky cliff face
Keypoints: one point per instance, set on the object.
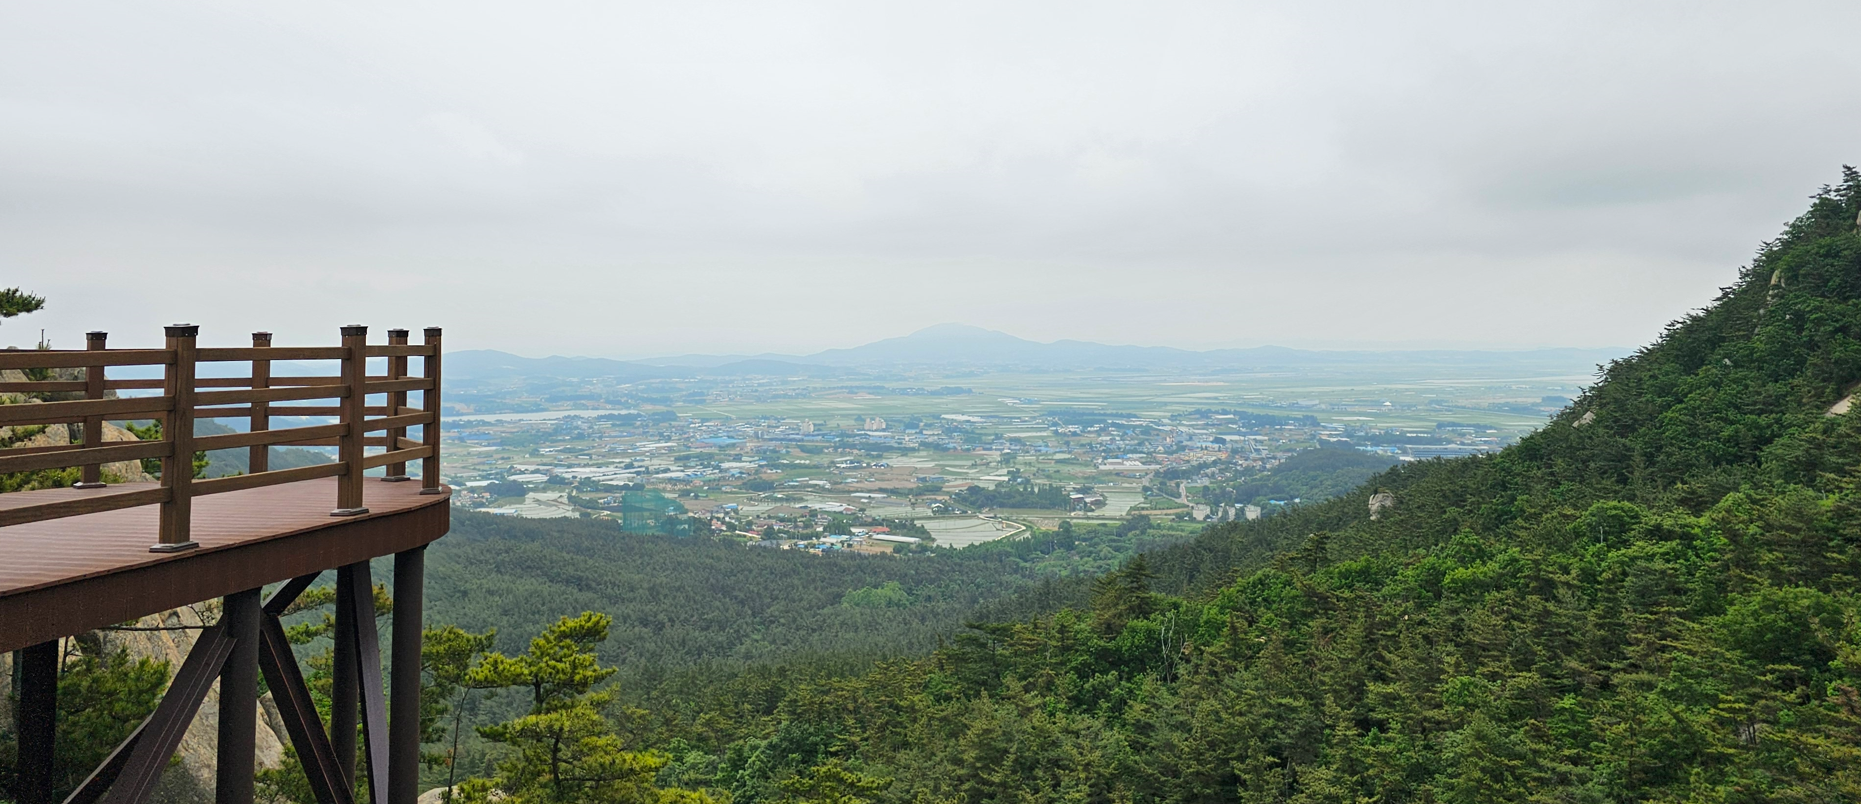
(56, 434)
(171, 636)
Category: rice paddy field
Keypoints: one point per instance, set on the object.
(1402, 397)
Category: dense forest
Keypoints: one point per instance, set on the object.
(680, 602)
(685, 617)
(696, 602)
(1309, 475)
(1652, 598)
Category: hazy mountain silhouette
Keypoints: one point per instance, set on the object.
(960, 345)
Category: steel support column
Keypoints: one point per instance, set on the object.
(238, 749)
(38, 721)
(345, 683)
(374, 704)
(404, 681)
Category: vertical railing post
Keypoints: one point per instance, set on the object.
(258, 458)
(397, 404)
(178, 431)
(429, 402)
(92, 473)
(355, 413)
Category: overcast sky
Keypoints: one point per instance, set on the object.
(637, 179)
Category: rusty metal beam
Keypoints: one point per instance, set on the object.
(287, 594)
(161, 734)
(299, 713)
(100, 779)
(374, 705)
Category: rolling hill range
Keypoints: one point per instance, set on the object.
(962, 346)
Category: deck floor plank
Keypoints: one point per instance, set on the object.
(245, 537)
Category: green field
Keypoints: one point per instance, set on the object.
(1353, 396)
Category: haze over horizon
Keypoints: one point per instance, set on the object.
(962, 333)
(638, 181)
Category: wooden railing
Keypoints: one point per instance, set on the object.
(186, 396)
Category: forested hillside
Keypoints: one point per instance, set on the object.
(681, 602)
(1653, 598)
(1314, 474)
(696, 603)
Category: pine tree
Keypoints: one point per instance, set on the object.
(1123, 596)
(15, 302)
(564, 750)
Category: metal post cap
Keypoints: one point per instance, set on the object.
(96, 336)
(354, 329)
(182, 330)
(397, 333)
(262, 336)
(432, 332)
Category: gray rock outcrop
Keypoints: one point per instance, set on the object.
(1379, 502)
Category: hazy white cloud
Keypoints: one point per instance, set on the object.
(630, 179)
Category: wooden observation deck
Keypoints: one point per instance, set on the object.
(100, 552)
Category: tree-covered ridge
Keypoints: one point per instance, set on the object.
(1016, 492)
(682, 602)
(1313, 474)
(696, 602)
(1653, 598)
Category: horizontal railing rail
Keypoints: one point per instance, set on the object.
(38, 459)
(89, 504)
(78, 410)
(252, 397)
(22, 359)
(269, 353)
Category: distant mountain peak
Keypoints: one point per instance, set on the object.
(954, 344)
(954, 331)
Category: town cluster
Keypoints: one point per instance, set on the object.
(885, 483)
